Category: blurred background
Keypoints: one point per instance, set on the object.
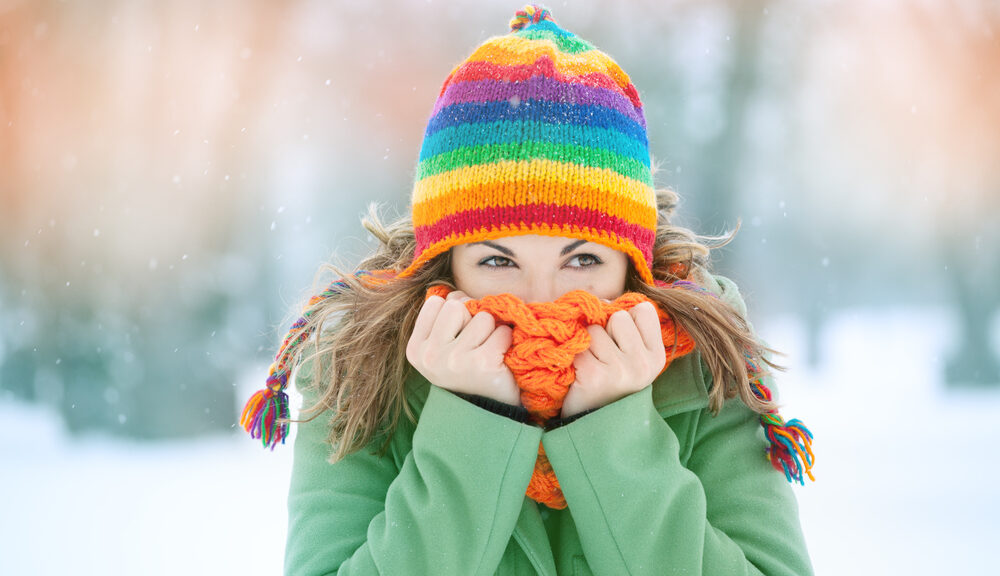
(173, 174)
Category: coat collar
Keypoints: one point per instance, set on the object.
(682, 387)
(530, 534)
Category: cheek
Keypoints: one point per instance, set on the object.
(470, 285)
(611, 284)
(608, 284)
(464, 281)
(609, 290)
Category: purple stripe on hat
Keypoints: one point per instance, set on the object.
(538, 88)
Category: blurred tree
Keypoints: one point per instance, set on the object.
(963, 48)
(17, 372)
(109, 322)
(934, 127)
(722, 171)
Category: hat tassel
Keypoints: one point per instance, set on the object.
(265, 415)
(791, 447)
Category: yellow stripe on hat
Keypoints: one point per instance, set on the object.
(520, 193)
(549, 180)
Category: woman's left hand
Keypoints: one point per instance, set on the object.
(624, 357)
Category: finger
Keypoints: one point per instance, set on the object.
(585, 361)
(648, 323)
(622, 329)
(602, 346)
(499, 340)
(425, 319)
(449, 322)
(476, 331)
(458, 295)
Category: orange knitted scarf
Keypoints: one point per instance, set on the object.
(547, 336)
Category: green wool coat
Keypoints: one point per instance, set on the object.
(655, 484)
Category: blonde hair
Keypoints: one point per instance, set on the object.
(359, 353)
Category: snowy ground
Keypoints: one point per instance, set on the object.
(905, 468)
(905, 474)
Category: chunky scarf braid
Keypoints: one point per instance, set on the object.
(546, 338)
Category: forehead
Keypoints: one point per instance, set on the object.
(531, 242)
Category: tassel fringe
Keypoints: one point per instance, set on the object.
(790, 449)
(265, 416)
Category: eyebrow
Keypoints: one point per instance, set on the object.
(503, 249)
(569, 247)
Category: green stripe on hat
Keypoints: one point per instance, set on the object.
(566, 43)
(515, 151)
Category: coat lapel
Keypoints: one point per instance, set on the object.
(530, 534)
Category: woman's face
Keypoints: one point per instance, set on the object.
(538, 268)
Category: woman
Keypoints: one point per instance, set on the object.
(643, 454)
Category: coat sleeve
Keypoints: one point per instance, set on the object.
(640, 510)
(443, 500)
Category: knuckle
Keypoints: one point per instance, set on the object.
(457, 306)
(619, 320)
(425, 359)
(484, 363)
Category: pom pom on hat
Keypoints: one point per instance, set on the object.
(530, 14)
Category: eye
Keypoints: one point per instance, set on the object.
(497, 262)
(584, 261)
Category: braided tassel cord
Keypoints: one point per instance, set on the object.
(790, 443)
(265, 415)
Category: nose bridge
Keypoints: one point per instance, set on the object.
(540, 285)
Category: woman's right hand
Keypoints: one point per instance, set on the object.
(460, 352)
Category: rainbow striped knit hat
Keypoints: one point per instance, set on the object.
(536, 132)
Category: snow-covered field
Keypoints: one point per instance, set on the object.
(906, 469)
(905, 473)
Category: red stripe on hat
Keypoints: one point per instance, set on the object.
(536, 215)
